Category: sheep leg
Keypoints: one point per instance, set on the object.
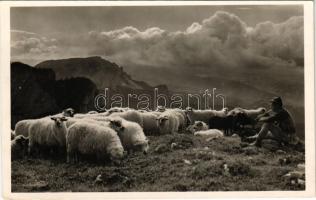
(31, 148)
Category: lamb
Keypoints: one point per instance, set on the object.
(197, 126)
(210, 133)
(130, 115)
(22, 127)
(150, 123)
(168, 122)
(48, 133)
(199, 115)
(131, 135)
(19, 147)
(84, 138)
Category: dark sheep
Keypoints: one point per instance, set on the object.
(226, 123)
(242, 120)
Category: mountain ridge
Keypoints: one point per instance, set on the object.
(103, 73)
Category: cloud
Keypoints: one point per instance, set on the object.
(31, 45)
(222, 40)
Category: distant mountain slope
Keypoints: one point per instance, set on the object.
(103, 73)
(30, 96)
(35, 93)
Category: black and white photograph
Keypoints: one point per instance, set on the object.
(159, 98)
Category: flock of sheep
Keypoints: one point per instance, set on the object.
(110, 135)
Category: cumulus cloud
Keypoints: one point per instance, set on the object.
(31, 45)
(222, 40)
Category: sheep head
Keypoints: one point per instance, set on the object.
(161, 109)
(117, 125)
(69, 112)
(59, 120)
(262, 110)
(162, 119)
(225, 110)
(142, 146)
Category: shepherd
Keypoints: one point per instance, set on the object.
(278, 124)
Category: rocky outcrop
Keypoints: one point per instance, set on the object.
(35, 93)
(77, 93)
(31, 95)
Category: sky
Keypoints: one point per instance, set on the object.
(168, 36)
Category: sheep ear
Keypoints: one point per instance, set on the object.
(53, 118)
(63, 119)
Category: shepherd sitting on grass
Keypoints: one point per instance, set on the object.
(277, 124)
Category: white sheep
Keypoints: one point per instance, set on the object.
(70, 121)
(92, 112)
(182, 118)
(19, 147)
(95, 115)
(235, 111)
(68, 112)
(150, 122)
(181, 115)
(210, 133)
(49, 133)
(197, 126)
(131, 134)
(160, 109)
(118, 109)
(221, 113)
(22, 127)
(130, 115)
(104, 122)
(168, 122)
(199, 115)
(84, 138)
(254, 113)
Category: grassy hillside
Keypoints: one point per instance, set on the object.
(194, 164)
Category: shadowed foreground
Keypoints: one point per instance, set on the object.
(192, 164)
